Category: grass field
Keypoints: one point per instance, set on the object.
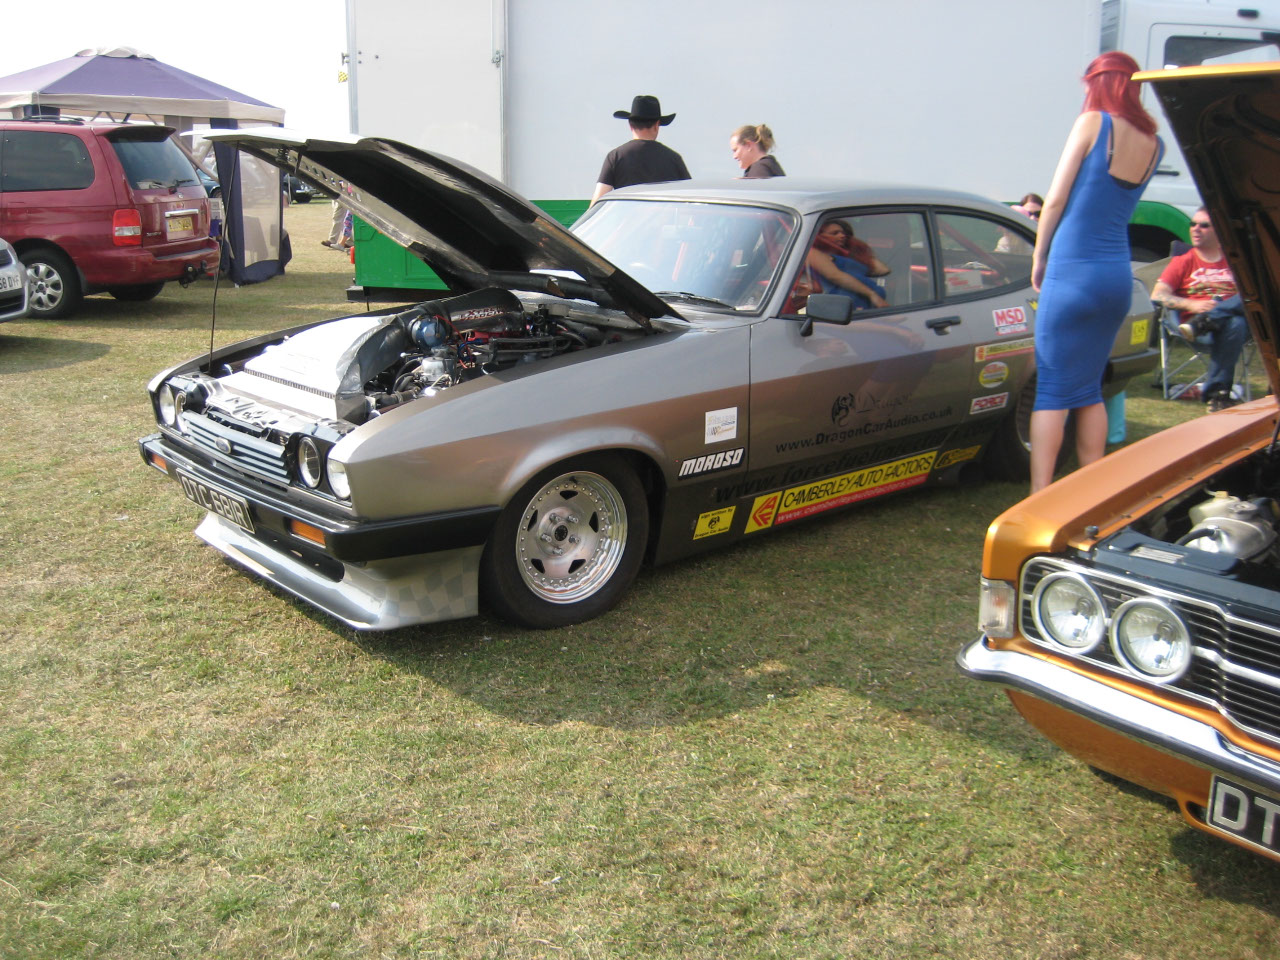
(763, 752)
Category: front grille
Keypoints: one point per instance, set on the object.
(1236, 668)
(259, 455)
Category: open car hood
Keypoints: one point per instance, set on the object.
(470, 229)
(1227, 121)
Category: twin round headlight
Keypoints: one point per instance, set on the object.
(1147, 635)
(312, 469)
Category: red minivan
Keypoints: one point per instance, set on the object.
(100, 206)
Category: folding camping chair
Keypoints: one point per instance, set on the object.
(1180, 372)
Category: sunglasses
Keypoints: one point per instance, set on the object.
(1202, 224)
(1033, 214)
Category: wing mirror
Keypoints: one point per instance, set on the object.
(826, 308)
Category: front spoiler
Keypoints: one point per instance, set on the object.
(1140, 720)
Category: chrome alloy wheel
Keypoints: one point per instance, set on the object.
(46, 287)
(571, 537)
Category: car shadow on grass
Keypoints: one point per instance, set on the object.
(22, 354)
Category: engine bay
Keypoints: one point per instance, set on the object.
(1230, 524)
(345, 372)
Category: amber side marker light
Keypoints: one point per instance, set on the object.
(306, 531)
(158, 462)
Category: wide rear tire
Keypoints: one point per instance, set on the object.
(567, 545)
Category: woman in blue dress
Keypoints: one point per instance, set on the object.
(1081, 266)
(845, 265)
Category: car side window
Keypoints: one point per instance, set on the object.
(886, 254)
(35, 160)
(980, 255)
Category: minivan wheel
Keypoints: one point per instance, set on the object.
(137, 293)
(53, 284)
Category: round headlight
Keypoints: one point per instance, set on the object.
(338, 481)
(1151, 640)
(168, 409)
(1069, 612)
(310, 463)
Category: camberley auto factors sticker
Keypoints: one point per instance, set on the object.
(1010, 348)
(796, 502)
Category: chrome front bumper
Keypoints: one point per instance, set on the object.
(1139, 720)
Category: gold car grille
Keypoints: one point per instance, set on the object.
(1236, 664)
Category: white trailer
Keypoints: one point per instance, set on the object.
(977, 96)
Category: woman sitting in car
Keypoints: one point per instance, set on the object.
(845, 265)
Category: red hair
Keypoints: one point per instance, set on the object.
(1109, 86)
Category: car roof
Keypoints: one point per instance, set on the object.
(807, 194)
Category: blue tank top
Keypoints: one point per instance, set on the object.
(1095, 221)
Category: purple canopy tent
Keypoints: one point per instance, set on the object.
(123, 84)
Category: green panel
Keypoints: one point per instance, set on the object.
(1168, 218)
(381, 262)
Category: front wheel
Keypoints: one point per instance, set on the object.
(567, 545)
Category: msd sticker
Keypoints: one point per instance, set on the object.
(1010, 320)
(993, 374)
(721, 425)
(997, 401)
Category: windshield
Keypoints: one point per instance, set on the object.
(716, 254)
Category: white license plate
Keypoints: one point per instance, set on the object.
(1242, 812)
(179, 225)
(226, 505)
(10, 283)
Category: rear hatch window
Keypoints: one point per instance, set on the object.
(164, 186)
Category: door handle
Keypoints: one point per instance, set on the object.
(940, 325)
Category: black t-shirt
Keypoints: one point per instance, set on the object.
(642, 161)
(766, 166)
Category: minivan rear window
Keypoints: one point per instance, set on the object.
(35, 160)
(153, 163)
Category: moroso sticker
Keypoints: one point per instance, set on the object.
(1138, 334)
(710, 463)
(717, 521)
(997, 401)
(989, 351)
(795, 503)
(993, 374)
(721, 425)
(1010, 320)
(959, 455)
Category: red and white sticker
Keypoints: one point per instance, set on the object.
(997, 401)
(1010, 320)
(993, 374)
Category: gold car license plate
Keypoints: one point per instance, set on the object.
(226, 505)
(179, 225)
(1244, 813)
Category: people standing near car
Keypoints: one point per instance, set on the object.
(1081, 266)
(1199, 288)
(641, 159)
(751, 146)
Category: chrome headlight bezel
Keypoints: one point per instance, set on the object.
(310, 463)
(1122, 644)
(1096, 625)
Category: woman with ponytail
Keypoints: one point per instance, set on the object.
(1081, 264)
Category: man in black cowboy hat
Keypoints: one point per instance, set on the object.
(642, 159)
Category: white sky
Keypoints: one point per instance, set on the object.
(287, 54)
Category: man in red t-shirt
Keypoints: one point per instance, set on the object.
(1199, 286)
